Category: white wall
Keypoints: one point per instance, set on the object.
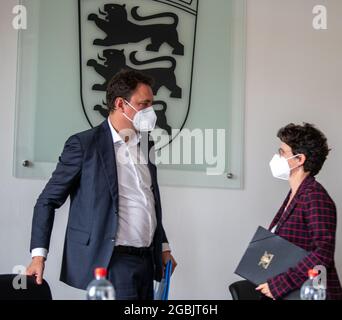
(294, 74)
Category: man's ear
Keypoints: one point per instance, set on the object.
(119, 104)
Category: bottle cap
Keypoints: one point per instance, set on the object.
(313, 273)
(100, 272)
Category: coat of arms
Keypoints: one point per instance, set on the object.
(266, 260)
(156, 37)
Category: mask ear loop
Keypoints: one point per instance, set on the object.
(299, 154)
(130, 105)
(125, 115)
(293, 156)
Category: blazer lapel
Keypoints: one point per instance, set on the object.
(294, 201)
(105, 148)
(280, 212)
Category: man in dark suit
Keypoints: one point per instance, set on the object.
(115, 217)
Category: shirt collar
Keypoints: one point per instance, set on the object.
(117, 138)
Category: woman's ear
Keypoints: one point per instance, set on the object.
(301, 159)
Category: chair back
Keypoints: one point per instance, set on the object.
(244, 290)
(12, 288)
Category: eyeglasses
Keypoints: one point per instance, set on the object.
(282, 152)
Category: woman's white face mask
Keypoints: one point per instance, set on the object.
(280, 167)
(144, 120)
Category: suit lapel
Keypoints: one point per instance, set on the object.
(294, 201)
(105, 148)
(151, 158)
(149, 154)
(106, 151)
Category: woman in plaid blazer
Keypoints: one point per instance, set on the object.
(307, 217)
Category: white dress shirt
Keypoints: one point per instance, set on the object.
(137, 217)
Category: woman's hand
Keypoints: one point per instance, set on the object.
(265, 289)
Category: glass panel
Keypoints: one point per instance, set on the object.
(48, 100)
(49, 107)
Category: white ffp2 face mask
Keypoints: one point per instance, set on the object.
(280, 167)
(144, 120)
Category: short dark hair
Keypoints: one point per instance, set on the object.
(123, 84)
(308, 140)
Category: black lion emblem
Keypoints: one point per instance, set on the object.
(115, 60)
(116, 20)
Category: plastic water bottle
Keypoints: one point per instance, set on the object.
(311, 290)
(100, 288)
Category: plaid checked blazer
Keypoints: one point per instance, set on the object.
(310, 223)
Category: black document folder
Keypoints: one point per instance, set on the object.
(267, 256)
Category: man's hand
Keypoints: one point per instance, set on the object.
(166, 256)
(36, 268)
(265, 289)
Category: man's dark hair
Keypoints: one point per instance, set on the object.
(123, 84)
(308, 140)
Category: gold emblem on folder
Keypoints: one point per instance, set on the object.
(265, 260)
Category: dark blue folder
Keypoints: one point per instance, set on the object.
(268, 255)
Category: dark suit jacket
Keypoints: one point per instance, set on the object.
(310, 223)
(87, 172)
